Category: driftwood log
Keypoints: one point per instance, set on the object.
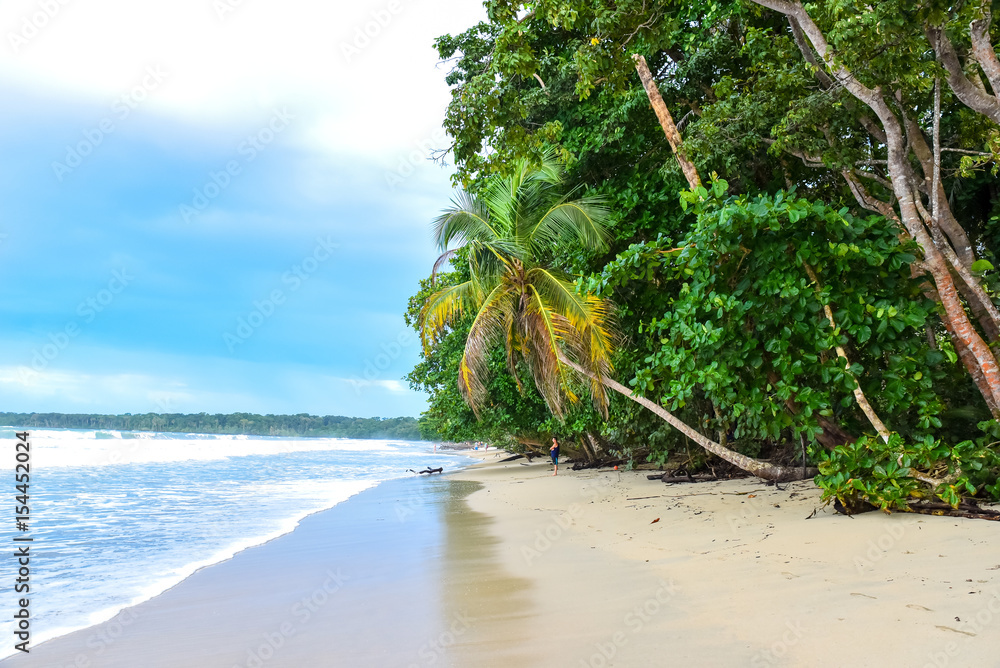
(967, 509)
(602, 464)
(681, 475)
(428, 470)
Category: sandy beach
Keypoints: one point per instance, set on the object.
(503, 564)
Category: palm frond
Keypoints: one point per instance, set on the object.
(485, 332)
(467, 219)
(444, 257)
(543, 330)
(442, 309)
(585, 220)
(512, 345)
(590, 336)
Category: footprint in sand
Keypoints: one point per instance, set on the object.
(918, 607)
(948, 628)
(788, 575)
(854, 593)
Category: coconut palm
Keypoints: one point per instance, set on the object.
(506, 231)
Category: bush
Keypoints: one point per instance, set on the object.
(888, 475)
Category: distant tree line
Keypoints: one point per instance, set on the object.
(303, 424)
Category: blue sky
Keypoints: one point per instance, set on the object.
(217, 205)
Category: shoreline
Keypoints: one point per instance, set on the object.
(504, 564)
(164, 583)
(281, 602)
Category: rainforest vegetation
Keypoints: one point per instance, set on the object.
(759, 231)
(338, 426)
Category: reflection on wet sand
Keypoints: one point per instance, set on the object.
(485, 611)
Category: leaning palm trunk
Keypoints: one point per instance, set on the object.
(764, 470)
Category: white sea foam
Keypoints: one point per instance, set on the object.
(61, 448)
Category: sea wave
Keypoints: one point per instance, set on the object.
(64, 448)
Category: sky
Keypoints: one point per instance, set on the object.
(218, 205)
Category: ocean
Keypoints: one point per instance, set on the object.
(119, 517)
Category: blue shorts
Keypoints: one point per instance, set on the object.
(555, 457)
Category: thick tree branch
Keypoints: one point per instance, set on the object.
(970, 95)
(759, 468)
(800, 41)
(982, 49)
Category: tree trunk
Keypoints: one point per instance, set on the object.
(666, 122)
(957, 319)
(764, 470)
(859, 395)
(595, 447)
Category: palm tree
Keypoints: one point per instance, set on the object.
(507, 231)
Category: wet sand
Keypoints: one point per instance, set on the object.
(383, 579)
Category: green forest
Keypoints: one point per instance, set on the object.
(756, 235)
(335, 426)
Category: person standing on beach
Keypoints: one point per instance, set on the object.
(554, 453)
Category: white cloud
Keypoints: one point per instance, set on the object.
(89, 389)
(362, 75)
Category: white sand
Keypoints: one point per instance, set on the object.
(733, 573)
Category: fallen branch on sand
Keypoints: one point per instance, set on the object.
(428, 470)
(965, 509)
(603, 464)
